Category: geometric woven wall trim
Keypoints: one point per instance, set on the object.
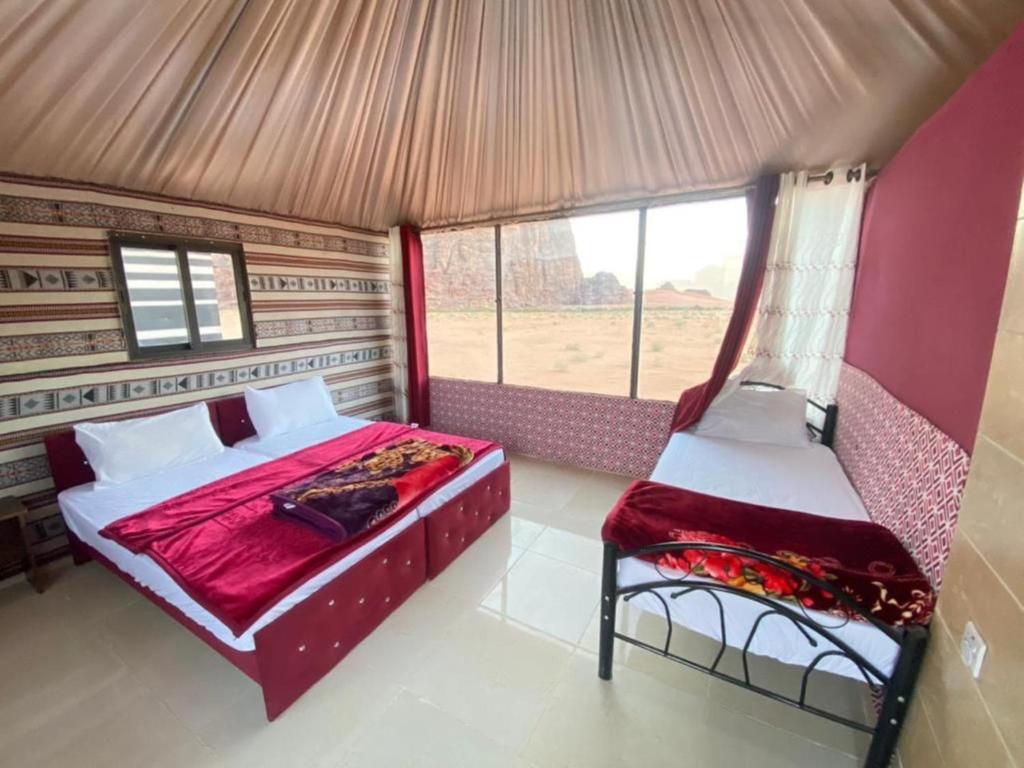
(312, 283)
(15, 278)
(35, 346)
(90, 395)
(34, 210)
(32, 468)
(909, 474)
(602, 432)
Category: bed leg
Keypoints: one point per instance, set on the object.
(79, 554)
(609, 598)
(897, 697)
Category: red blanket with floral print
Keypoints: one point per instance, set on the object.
(862, 559)
(223, 544)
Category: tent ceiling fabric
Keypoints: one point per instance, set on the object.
(372, 113)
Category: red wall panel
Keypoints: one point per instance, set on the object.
(935, 247)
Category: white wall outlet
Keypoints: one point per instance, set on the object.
(972, 649)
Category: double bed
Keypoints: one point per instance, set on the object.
(303, 634)
(806, 479)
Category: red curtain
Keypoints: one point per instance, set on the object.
(760, 213)
(415, 325)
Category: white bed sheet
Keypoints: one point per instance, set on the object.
(87, 511)
(802, 479)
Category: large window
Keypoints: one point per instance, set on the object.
(567, 302)
(571, 309)
(462, 325)
(180, 297)
(693, 253)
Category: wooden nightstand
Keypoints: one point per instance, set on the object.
(12, 509)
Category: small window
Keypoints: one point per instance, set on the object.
(180, 296)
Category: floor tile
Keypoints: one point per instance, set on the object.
(524, 530)
(120, 722)
(472, 575)
(593, 499)
(410, 636)
(651, 629)
(581, 551)
(839, 695)
(546, 595)
(92, 592)
(430, 738)
(195, 681)
(315, 731)
(631, 720)
(545, 485)
(493, 674)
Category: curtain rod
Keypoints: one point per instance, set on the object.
(625, 205)
(587, 210)
(852, 174)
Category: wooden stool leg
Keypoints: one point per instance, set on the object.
(33, 570)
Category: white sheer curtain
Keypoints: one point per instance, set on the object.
(399, 351)
(800, 329)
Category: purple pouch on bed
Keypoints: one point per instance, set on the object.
(287, 509)
(338, 515)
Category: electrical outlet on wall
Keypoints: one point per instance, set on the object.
(972, 648)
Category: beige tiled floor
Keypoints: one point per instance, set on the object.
(492, 664)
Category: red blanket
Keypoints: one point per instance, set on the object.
(224, 546)
(863, 559)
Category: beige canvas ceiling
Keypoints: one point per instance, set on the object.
(371, 113)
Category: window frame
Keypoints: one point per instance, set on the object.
(638, 287)
(195, 346)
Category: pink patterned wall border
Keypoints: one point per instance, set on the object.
(909, 474)
(611, 434)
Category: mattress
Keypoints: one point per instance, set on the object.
(801, 479)
(88, 510)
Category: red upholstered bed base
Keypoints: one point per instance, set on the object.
(302, 645)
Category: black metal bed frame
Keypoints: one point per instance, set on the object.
(895, 689)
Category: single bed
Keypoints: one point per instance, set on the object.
(301, 636)
(803, 479)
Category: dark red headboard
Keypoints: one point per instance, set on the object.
(233, 419)
(68, 464)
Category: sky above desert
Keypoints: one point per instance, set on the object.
(682, 240)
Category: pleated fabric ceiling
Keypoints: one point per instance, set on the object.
(372, 113)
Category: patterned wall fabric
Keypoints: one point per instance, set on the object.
(611, 434)
(320, 300)
(909, 474)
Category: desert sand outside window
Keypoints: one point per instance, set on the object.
(567, 302)
(181, 297)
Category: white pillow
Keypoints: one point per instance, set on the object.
(288, 407)
(772, 416)
(120, 451)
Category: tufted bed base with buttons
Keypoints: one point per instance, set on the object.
(303, 644)
(298, 647)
